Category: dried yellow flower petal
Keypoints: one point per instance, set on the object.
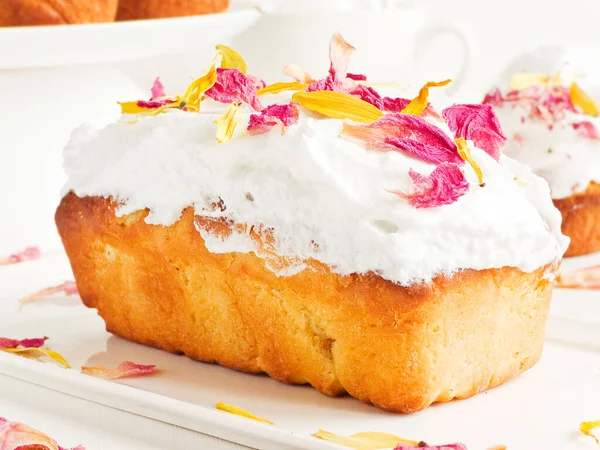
(587, 427)
(276, 88)
(227, 122)
(583, 101)
(240, 412)
(194, 92)
(523, 80)
(232, 59)
(338, 106)
(419, 103)
(465, 153)
(35, 353)
(365, 440)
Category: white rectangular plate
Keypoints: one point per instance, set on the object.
(540, 409)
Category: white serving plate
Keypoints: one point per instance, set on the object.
(540, 409)
(66, 45)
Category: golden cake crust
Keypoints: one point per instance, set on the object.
(581, 220)
(15, 13)
(156, 9)
(400, 348)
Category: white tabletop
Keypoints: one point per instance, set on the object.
(72, 421)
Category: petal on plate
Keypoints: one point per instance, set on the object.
(241, 412)
(124, 370)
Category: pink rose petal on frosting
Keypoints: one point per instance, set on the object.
(158, 90)
(398, 104)
(356, 77)
(445, 185)
(477, 123)
(298, 74)
(408, 133)
(233, 86)
(18, 436)
(29, 254)
(340, 53)
(587, 130)
(123, 370)
(258, 83)
(27, 343)
(395, 104)
(494, 97)
(433, 447)
(68, 288)
(283, 115)
(368, 94)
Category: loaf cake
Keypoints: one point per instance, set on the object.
(552, 125)
(15, 13)
(320, 231)
(156, 9)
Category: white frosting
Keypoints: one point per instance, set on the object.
(574, 160)
(312, 187)
(567, 160)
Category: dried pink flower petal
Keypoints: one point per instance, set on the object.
(158, 90)
(232, 86)
(340, 53)
(123, 370)
(477, 123)
(398, 104)
(408, 133)
(586, 278)
(258, 83)
(298, 74)
(587, 130)
(445, 185)
(395, 104)
(356, 77)
(433, 447)
(494, 97)
(29, 254)
(547, 103)
(283, 115)
(68, 288)
(18, 436)
(368, 94)
(27, 343)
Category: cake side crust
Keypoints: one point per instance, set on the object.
(56, 12)
(581, 220)
(400, 348)
(156, 9)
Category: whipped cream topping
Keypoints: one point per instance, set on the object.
(324, 197)
(560, 154)
(567, 160)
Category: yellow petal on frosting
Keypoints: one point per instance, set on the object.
(194, 92)
(232, 59)
(583, 101)
(366, 440)
(587, 427)
(419, 103)
(276, 88)
(465, 153)
(35, 353)
(227, 122)
(338, 106)
(241, 412)
(523, 80)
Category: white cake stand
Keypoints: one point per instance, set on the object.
(54, 78)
